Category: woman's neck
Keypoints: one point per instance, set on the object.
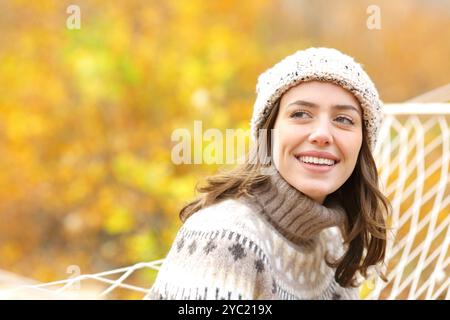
(295, 215)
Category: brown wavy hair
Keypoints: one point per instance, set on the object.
(365, 233)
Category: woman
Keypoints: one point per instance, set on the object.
(303, 218)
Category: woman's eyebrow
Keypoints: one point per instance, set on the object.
(313, 105)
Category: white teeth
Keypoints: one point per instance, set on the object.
(317, 160)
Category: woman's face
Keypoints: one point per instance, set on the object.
(313, 117)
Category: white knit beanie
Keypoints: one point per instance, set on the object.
(322, 64)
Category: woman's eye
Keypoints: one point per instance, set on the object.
(347, 120)
(298, 114)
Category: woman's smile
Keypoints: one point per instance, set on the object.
(315, 168)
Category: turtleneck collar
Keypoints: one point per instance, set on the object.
(295, 215)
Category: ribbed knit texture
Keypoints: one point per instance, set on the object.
(293, 214)
(269, 246)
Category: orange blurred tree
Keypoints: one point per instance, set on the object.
(86, 115)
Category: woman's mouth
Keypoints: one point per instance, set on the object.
(316, 165)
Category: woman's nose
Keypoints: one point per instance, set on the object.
(321, 134)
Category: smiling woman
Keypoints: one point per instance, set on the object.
(304, 216)
(316, 144)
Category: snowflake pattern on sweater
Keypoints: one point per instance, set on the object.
(271, 245)
(246, 258)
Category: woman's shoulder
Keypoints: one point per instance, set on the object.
(216, 253)
(232, 217)
(230, 214)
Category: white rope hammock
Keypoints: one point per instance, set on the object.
(413, 157)
(64, 288)
(415, 147)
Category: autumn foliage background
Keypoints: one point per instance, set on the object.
(86, 116)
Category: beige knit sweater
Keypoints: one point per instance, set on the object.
(269, 246)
